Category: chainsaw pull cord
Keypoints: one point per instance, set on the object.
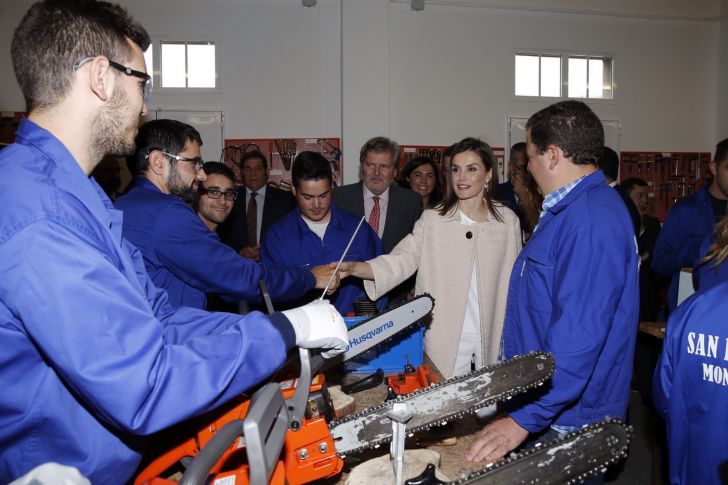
(346, 250)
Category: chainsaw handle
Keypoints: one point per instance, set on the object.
(367, 382)
(264, 431)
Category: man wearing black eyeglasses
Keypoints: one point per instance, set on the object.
(216, 194)
(93, 359)
(180, 253)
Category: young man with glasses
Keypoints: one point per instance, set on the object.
(93, 359)
(216, 194)
(181, 255)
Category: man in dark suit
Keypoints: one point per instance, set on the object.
(609, 165)
(517, 165)
(391, 210)
(257, 207)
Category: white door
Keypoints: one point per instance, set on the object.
(208, 123)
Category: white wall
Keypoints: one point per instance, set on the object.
(279, 61)
(435, 76)
(722, 91)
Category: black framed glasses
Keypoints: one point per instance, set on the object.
(146, 80)
(198, 162)
(230, 195)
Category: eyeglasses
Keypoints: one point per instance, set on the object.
(519, 168)
(197, 161)
(216, 194)
(145, 86)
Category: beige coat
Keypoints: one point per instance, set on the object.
(444, 258)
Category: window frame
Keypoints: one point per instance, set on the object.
(565, 56)
(157, 68)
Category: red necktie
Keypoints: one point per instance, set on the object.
(252, 220)
(374, 215)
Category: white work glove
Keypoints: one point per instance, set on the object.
(319, 325)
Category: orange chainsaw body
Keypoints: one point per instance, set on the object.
(411, 379)
(308, 454)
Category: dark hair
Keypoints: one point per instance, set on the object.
(447, 152)
(628, 184)
(486, 156)
(380, 144)
(571, 126)
(609, 163)
(310, 166)
(721, 151)
(254, 155)
(519, 147)
(168, 135)
(56, 33)
(436, 195)
(211, 168)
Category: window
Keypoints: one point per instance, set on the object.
(541, 75)
(188, 65)
(538, 75)
(590, 77)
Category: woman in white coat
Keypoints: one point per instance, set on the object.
(463, 251)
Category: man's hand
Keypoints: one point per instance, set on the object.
(319, 325)
(496, 440)
(323, 274)
(251, 252)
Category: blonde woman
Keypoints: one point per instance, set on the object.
(463, 251)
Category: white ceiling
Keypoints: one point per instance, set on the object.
(666, 9)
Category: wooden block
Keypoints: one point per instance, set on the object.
(344, 404)
(379, 470)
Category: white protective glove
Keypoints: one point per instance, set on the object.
(318, 325)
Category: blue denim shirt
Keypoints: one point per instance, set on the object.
(188, 260)
(92, 357)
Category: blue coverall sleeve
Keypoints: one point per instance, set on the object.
(195, 255)
(588, 284)
(98, 330)
(675, 248)
(663, 377)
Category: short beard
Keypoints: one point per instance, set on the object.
(112, 134)
(176, 185)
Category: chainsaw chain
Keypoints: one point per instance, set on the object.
(380, 410)
(616, 449)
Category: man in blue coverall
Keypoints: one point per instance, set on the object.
(93, 359)
(574, 288)
(691, 388)
(317, 231)
(181, 254)
(689, 222)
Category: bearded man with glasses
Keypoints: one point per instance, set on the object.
(180, 253)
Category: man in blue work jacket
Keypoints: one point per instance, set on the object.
(574, 288)
(317, 231)
(93, 359)
(181, 254)
(691, 388)
(689, 222)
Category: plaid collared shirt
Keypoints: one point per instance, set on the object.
(557, 196)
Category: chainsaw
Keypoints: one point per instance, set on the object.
(314, 444)
(569, 459)
(308, 405)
